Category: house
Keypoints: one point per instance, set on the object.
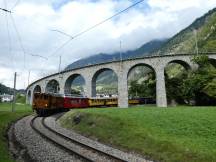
(6, 98)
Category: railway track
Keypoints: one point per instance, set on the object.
(85, 152)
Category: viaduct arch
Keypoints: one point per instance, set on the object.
(58, 82)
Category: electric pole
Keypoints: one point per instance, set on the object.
(120, 46)
(195, 33)
(29, 76)
(59, 64)
(14, 93)
(120, 54)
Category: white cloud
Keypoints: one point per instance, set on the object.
(36, 19)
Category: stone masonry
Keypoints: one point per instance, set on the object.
(121, 69)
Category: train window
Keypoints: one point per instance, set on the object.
(45, 97)
(74, 101)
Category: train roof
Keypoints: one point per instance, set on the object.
(62, 95)
(103, 97)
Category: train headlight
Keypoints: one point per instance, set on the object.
(46, 105)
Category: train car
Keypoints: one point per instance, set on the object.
(44, 103)
(96, 102)
(75, 102)
(133, 101)
(111, 101)
(147, 100)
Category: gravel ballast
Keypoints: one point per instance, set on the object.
(27, 145)
(38, 148)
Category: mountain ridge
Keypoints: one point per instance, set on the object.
(145, 50)
(183, 42)
(202, 30)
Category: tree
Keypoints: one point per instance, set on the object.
(201, 83)
(174, 88)
(146, 88)
(75, 91)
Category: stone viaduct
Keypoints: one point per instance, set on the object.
(121, 69)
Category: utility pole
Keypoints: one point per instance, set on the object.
(195, 33)
(14, 93)
(120, 55)
(120, 45)
(59, 70)
(59, 64)
(29, 76)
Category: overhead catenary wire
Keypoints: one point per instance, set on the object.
(9, 13)
(62, 33)
(19, 39)
(21, 44)
(17, 2)
(8, 32)
(92, 27)
(36, 55)
(65, 43)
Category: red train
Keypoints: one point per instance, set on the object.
(44, 103)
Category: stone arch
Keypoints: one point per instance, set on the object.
(70, 80)
(140, 64)
(37, 89)
(174, 80)
(149, 70)
(52, 86)
(95, 76)
(185, 64)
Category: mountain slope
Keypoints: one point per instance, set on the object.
(144, 50)
(203, 29)
(6, 90)
(183, 42)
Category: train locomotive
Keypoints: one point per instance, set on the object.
(44, 103)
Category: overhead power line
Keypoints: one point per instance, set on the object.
(8, 32)
(63, 33)
(15, 4)
(36, 55)
(92, 27)
(19, 39)
(22, 46)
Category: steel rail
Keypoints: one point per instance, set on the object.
(56, 143)
(80, 144)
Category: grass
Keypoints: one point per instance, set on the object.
(164, 134)
(18, 107)
(6, 118)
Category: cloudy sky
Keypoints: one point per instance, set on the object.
(35, 21)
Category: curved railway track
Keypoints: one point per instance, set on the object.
(85, 152)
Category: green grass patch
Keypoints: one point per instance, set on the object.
(164, 134)
(18, 107)
(6, 118)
